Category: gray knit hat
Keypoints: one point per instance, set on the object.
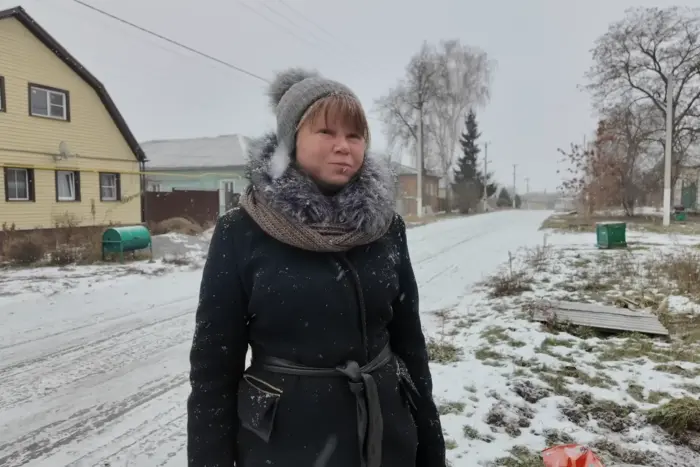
(291, 93)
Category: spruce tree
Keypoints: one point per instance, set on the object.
(467, 184)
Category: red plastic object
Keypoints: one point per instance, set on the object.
(570, 455)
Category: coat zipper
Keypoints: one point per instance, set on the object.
(359, 295)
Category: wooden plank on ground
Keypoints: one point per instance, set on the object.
(600, 317)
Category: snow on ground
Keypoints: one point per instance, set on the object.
(97, 375)
(507, 383)
(171, 252)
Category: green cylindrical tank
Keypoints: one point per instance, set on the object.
(127, 238)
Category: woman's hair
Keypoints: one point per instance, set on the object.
(338, 107)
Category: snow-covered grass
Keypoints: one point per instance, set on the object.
(644, 221)
(509, 387)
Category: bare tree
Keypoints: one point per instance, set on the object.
(463, 77)
(614, 171)
(634, 59)
(401, 107)
(623, 142)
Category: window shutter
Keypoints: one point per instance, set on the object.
(119, 186)
(76, 174)
(30, 178)
(7, 184)
(55, 177)
(99, 185)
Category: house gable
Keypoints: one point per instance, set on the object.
(44, 37)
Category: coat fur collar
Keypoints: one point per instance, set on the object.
(365, 204)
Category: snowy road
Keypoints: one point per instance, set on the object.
(97, 376)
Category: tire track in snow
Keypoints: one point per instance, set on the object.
(31, 363)
(60, 371)
(41, 442)
(111, 317)
(55, 402)
(166, 433)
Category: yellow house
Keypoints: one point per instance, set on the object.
(67, 155)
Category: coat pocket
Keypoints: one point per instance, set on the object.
(257, 406)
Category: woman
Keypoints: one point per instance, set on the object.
(314, 274)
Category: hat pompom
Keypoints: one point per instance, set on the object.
(285, 80)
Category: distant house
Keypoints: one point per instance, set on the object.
(67, 154)
(406, 203)
(202, 164)
(543, 200)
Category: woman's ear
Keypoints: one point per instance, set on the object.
(279, 161)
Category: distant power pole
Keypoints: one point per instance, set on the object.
(419, 190)
(527, 192)
(486, 168)
(514, 166)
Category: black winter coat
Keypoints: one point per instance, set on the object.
(319, 310)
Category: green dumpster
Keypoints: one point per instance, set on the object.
(124, 239)
(611, 234)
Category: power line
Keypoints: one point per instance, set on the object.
(172, 41)
(289, 20)
(305, 18)
(286, 29)
(180, 44)
(116, 27)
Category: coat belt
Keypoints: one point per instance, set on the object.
(370, 424)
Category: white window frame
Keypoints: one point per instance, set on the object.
(49, 92)
(70, 178)
(10, 196)
(103, 185)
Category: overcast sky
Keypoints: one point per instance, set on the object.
(542, 50)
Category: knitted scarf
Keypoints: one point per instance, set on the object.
(311, 237)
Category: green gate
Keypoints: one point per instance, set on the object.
(689, 195)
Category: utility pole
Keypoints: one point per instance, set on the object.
(669, 151)
(513, 195)
(486, 171)
(419, 189)
(527, 192)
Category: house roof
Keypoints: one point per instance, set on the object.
(194, 153)
(40, 33)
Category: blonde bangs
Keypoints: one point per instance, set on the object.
(340, 108)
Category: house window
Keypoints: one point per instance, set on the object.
(19, 184)
(48, 102)
(110, 187)
(2, 95)
(67, 185)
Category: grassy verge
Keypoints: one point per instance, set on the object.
(645, 223)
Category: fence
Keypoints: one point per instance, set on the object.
(199, 206)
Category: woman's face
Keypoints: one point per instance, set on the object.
(329, 151)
